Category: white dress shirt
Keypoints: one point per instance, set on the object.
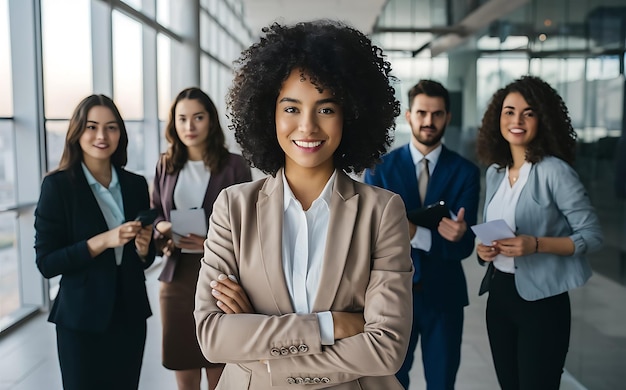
(110, 202)
(503, 206)
(304, 243)
(191, 188)
(423, 237)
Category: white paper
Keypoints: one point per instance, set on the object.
(491, 231)
(192, 221)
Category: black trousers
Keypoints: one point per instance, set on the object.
(103, 360)
(529, 339)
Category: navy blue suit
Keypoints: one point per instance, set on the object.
(99, 304)
(442, 290)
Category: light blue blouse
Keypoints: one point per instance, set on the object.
(110, 202)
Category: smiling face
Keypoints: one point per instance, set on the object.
(192, 126)
(309, 124)
(518, 121)
(101, 136)
(428, 120)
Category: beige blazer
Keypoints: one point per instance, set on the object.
(367, 268)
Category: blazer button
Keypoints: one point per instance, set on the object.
(325, 380)
(291, 381)
(274, 351)
(303, 348)
(293, 349)
(284, 351)
(299, 381)
(317, 380)
(307, 381)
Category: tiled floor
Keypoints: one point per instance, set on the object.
(28, 354)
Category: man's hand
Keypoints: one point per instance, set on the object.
(453, 230)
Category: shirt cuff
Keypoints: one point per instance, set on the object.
(327, 327)
(422, 239)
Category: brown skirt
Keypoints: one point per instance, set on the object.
(180, 345)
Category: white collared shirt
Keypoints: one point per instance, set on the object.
(191, 187)
(423, 237)
(503, 206)
(304, 243)
(110, 202)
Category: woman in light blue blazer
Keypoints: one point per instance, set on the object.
(527, 139)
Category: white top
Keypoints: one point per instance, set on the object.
(423, 239)
(191, 188)
(503, 206)
(304, 242)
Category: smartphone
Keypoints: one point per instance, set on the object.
(147, 217)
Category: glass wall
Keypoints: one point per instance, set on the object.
(6, 86)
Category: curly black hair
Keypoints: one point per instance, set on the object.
(555, 135)
(334, 56)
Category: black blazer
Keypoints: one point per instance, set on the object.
(67, 215)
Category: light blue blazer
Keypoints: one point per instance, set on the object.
(553, 203)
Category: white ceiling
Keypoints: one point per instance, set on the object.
(360, 14)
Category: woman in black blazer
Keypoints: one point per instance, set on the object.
(85, 232)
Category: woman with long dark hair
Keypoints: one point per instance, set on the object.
(190, 175)
(86, 232)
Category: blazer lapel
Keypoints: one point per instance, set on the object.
(493, 182)
(270, 214)
(343, 213)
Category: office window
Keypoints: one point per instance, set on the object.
(206, 32)
(66, 55)
(127, 66)
(9, 281)
(163, 12)
(55, 139)
(6, 86)
(603, 68)
(136, 148)
(7, 165)
(136, 4)
(128, 84)
(164, 75)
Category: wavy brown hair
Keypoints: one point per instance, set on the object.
(334, 56)
(215, 153)
(555, 134)
(72, 153)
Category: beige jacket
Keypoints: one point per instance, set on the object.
(367, 268)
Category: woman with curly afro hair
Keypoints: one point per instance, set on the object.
(528, 141)
(306, 276)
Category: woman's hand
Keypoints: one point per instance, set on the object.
(231, 297)
(142, 240)
(486, 252)
(192, 242)
(168, 247)
(113, 238)
(347, 324)
(165, 228)
(521, 245)
(164, 241)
